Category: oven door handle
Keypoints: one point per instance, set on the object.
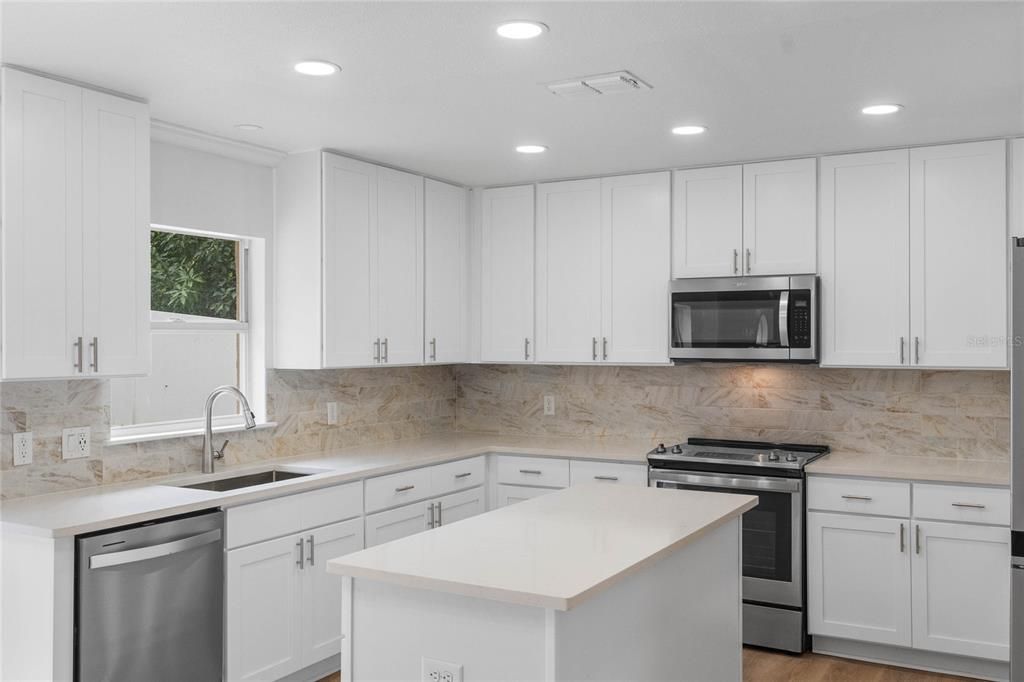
(735, 482)
(784, 319)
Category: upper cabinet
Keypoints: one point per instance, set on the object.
(603, 250)
(506, 270)
(75, 262)
(348, 264)
(445, 330)
(914, 257)
(756, 219)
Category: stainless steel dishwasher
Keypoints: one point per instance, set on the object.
(149, 601)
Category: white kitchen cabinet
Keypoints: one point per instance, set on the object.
(707, 222)
(507, 275)
(569, 271)
(419, 516)
(75, 262)
(511, 494)
(461, 505)
(958, 255)
(321, 596)
(607, 473)
(858, 578)
(446, 275)
(349, 264)
(961, 596)
(780, 217)
(865, 259)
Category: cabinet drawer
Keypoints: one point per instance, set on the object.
(396, 489)
(962, 503)
(465, 473)
(292, 514)
(858, 496)
(539, 471)
(585, 471)
(511, 494)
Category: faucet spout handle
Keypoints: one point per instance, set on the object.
(219, 454)
(250, 419)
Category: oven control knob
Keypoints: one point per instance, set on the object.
(791, 457)
(773, 457)
(677, 449)
(660, 449)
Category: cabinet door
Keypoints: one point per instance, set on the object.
(958, 255)
(510, 494)
(507, 255)
(962, 589)
(445, 274)
(635, 239)
(263, 609)
(42, 227)
(569, 271)
(350, 219)
(390, 525)
(707, 222)
(780, 214)
(321, 593)
(865, 259)
(858, 578)
(115, 231)
(398, 283)
(461, 505)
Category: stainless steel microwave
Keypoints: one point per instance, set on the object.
(744, 318)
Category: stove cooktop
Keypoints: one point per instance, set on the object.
(699, 452)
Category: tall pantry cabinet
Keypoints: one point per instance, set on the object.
(74, 269)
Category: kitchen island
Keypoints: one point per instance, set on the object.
(593, 582)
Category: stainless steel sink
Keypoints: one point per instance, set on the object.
(246, 481)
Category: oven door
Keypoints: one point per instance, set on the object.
(773, 537)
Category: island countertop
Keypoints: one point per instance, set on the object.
(553, 551)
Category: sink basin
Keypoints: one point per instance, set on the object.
(246, 481)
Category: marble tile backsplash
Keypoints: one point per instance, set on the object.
(949, 414)
(373, 405)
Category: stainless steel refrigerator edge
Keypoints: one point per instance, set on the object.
(1017, 455)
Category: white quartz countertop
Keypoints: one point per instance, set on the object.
(553, 551)
(92, 509)
(935, 469)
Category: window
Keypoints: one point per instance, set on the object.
(200, 299)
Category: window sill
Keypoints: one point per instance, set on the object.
(183, 433)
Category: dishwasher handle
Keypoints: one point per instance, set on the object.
(130, 556)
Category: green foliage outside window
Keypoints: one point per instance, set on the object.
(194, 275)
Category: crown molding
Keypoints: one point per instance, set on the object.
(180, 136)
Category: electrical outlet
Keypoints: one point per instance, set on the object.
(332, 413)
(22, 448)
(549, 405)
(441, 671)
(75, 442)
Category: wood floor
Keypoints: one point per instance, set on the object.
(760, 665)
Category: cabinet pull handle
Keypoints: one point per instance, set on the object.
(77, 345)
(376, 350)
(917, 539)
(403, 488)
(901, 349)
(95, 346)
(593, 347)
(301, 563)
(735, 261)
(606, 478)
(438, 510)
(385, 349)
(433, 349)
(968, 505)
(604, 346)
(535, 472)
(526, 349)
(463, 475)
(863, 498)
(310, 541)
(748, 261)
(903, 540)
(917, 351)
(430, 515)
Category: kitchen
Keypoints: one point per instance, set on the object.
(453, 296)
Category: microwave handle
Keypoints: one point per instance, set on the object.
(784, 319)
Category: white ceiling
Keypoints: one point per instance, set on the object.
(428, 85)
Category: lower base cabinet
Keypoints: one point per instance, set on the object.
(510, 494)
(281, 607)
(417, 517)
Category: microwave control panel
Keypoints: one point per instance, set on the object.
(800, 319)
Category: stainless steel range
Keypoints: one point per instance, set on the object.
(773, 532)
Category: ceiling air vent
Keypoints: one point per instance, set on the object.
(601, 84)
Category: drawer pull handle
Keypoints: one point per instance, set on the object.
(968, 505)
(535, 472)
(863, 498)
(903, 540)
(402, 489)
(463, 475)
(917, 539)
(606, 478)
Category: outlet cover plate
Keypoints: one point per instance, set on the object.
(549, 405)
(22, 448)
(75, 442)
(441, 671)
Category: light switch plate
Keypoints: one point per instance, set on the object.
(332, 413)
(22, 448)
(75, 442)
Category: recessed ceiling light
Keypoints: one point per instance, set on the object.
(881, 109)
(521, 30)
(688, 130)
(248, 127)
(531, 148)
(316, 67)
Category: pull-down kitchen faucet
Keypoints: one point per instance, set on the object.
(209, 454)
